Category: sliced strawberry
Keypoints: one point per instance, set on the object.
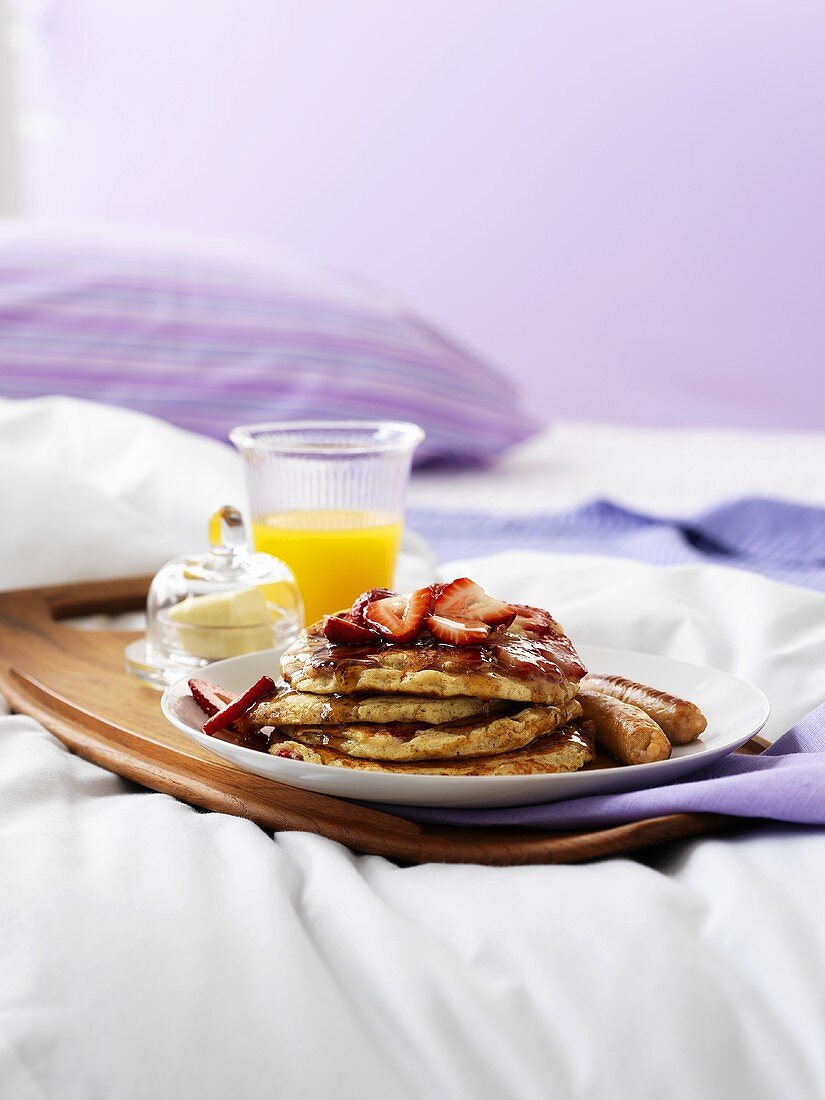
(365, 599)
(239, 705)
(209, 697)
(341, 630)
(457, 631)
(464, 599)
(535, 621)
(399, 618)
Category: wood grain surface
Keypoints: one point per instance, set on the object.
(75, 684)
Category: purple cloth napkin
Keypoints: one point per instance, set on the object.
(781, 540)
(785, 783)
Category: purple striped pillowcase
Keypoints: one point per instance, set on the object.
(207, 337)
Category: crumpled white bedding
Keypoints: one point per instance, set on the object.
(147, 949)
(665, 472)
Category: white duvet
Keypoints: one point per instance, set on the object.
(149, 950)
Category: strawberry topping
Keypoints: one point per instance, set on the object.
(527, 658)
(535, 621)
(209, 697)
(365, 599)
(459, 613)
(399, 618)
(458, 632)
(239, 705)
(552, 655)
(341, 630)
(463, 600)
(562, 652)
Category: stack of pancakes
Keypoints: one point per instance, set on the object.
(428, 708)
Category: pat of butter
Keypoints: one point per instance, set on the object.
(202, 623)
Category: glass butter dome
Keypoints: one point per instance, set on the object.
(207, 607)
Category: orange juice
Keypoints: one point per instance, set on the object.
(335, 554)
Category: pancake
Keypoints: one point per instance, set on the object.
(414, 741)
(565, 750)
(288, 707)
(521, 667)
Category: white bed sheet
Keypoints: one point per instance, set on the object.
(664, 472)
(147, 949)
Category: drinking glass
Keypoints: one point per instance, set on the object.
(327, 498)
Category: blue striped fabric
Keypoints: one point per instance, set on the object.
(778, 539)
(208, 337)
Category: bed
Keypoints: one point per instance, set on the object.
(632, 233)
(149, 949)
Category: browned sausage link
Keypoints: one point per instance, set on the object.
(624, 730)
(682, 721)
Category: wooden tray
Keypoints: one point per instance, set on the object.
(75, 684)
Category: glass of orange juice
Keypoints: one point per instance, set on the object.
(327, 498)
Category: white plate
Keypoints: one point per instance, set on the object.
(735, 711)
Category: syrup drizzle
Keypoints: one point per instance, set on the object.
(550, 656)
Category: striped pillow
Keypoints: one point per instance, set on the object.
(207, 337)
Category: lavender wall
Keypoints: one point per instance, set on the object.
(620, 202)
(9, 162)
